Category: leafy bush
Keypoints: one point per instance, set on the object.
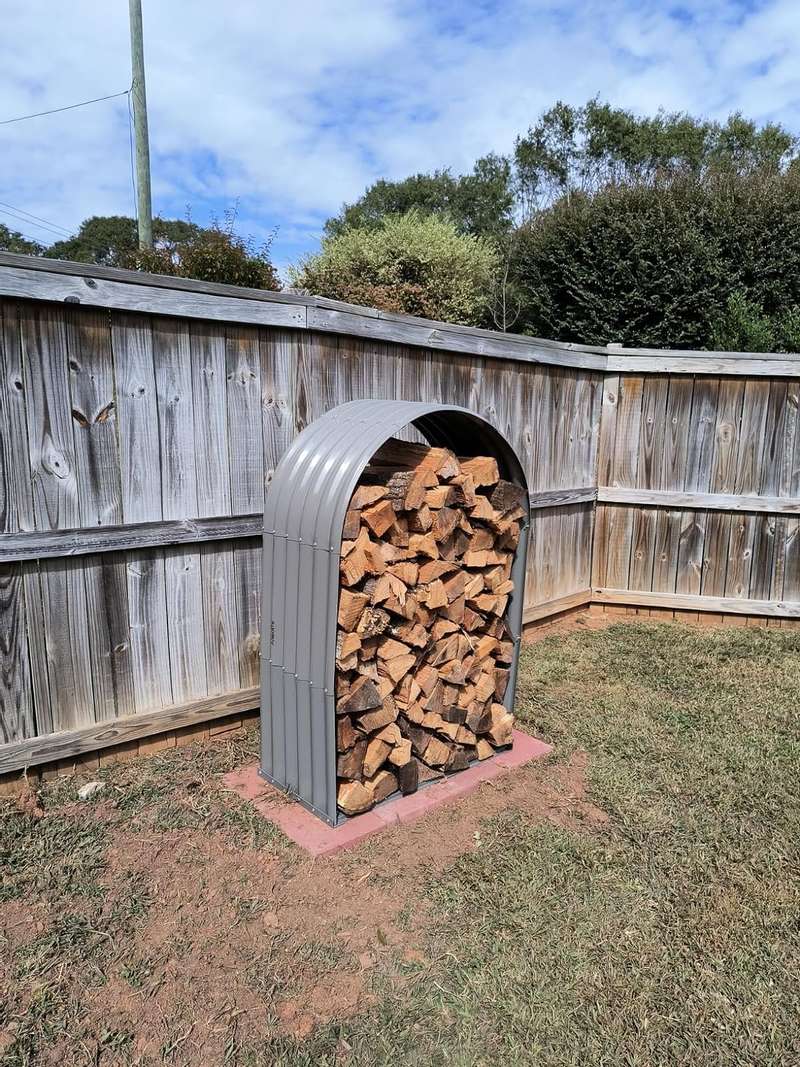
(414, 263)
(744, 327)
(657, 263)
(216, 254)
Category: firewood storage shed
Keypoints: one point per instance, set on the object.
(304, 515)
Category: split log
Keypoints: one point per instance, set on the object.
(375, 755)
(362, 696)
(354, 797)
(351, 764)
(351, 606)
(482, 469)
(408, 777)
(382, 716)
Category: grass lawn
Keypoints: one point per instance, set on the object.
(635, 900)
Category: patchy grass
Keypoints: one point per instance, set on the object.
(666, 935)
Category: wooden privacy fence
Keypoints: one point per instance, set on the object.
(142, 416)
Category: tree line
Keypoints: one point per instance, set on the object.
(214, 253)
(604, 227)
(599, 226)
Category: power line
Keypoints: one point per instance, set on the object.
(69, 107)
(28, 237)
(29, 222)
(36, 218)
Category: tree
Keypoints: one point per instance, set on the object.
(480, 203)
(112, 240)
(415, 263)
(14, 241)
(584, 149)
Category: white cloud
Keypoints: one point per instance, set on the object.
(292, 109)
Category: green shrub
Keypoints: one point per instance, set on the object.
(216, 254)
(656, 264)
(414, 263)
(744, 327)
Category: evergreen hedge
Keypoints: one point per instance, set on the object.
(659, 264)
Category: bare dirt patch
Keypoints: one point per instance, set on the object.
(239, 941)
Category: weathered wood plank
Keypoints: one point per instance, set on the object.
(56, 505)
(665, 498)
(220, 626)
(555, 607)
(140, 459)
(16, 706)
(651, 437)
(791, 561)
(562, 497)
(247, 488)
(755, 413)
(176, 441)
(441, 336)
(673, 470)
(106, 580)
(784, 482)
(248, 608)
(185, 626)
(697, 479)
(707, 363)
(16, 697)
(94, 417)
(29, 278)
(137, 408)
(93, 404)
(67, 744)
(687, 602)
(147, 612)
(91, 540)
(92, 291)
(764, 536)
(723, 480)
(210, 399)
(16, 493)
(278, 353)
(19, 506)
(624, 474)
(566, 425)
(176, 428)
(245, 434)
(604, 475)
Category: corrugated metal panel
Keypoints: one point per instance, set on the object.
(303, 518)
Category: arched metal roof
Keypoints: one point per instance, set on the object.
(303, 519)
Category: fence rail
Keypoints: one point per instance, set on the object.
(142, 418)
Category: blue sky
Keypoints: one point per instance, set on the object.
(291, 109)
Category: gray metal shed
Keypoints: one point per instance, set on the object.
(303, 518)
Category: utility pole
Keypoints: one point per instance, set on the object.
(144, 206)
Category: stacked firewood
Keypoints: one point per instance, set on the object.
(423, 652)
